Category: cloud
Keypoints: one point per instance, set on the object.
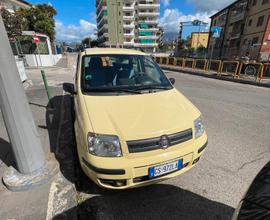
(165, 2)
(172, 18)
(209, 5)
(71, 33)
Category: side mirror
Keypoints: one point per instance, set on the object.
(69, 87)
(172, 80)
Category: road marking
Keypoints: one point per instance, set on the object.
(52, 195)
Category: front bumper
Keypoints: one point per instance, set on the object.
(133, 170)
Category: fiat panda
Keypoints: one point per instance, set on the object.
(132, 127)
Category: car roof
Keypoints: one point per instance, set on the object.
(95, 51)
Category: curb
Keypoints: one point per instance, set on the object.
(195, 73)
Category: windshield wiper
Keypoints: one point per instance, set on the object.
(146, 87)
(118, 90)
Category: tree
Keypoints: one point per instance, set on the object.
(14, 23)
(41, 19)
(87, 41)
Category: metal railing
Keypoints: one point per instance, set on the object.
(229, 68)
(251, 70)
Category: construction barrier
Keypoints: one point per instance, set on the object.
(171, 61)
(180, 62)
(200, 64)
(189, 63)
(214, 65)
(157, 59)
(164, 60)
(250, 70)
(265, 72)
(255, 70)
(229, 68)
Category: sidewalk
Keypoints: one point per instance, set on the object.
(213, 75)
(59, 195)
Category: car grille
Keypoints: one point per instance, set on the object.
(154, 143)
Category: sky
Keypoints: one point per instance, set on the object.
(76, 20)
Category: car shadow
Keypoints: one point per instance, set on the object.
(59, 122)
(160, 201)
(6, 154)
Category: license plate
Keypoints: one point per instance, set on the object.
(165, 168)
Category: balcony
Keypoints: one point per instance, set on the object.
(149, 29)
(235, 35)
(129, 35)
(128, 18)
(148, 37)
(128, 43)
(149, 21)
(148, 6)
(103, 35)
(237, 17)
(148, 14)
(103, 27)
(103, 19)
(103, 13)
(129, 26)
(146, 44)
(128, 8)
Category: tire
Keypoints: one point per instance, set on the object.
(250, 70)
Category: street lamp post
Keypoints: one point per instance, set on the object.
(20, 125)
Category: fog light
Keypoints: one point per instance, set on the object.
(120, 183)
(196, 160)
(115, 183)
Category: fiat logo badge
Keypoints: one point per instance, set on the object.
(164, 142)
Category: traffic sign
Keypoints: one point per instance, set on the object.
(36, 39)
(216, 31)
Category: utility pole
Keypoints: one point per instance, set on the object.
(20, 125)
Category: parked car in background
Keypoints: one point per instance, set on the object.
(132, 127)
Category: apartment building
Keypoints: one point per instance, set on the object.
(129, 23)
(245, 30)
(13, 5)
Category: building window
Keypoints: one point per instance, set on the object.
(255, 40)
(260, 21)
(265, 2)
(250, 22)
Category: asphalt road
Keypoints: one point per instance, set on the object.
(237, 120)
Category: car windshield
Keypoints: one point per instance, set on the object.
(121, 72)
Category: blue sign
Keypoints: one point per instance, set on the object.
(216, 31)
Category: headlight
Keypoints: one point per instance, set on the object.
(198, 127)
(104, 145)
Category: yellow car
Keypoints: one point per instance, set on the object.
(132, 127)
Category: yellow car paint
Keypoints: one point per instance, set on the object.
(133, 117)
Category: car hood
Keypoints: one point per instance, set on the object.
(133, 117)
